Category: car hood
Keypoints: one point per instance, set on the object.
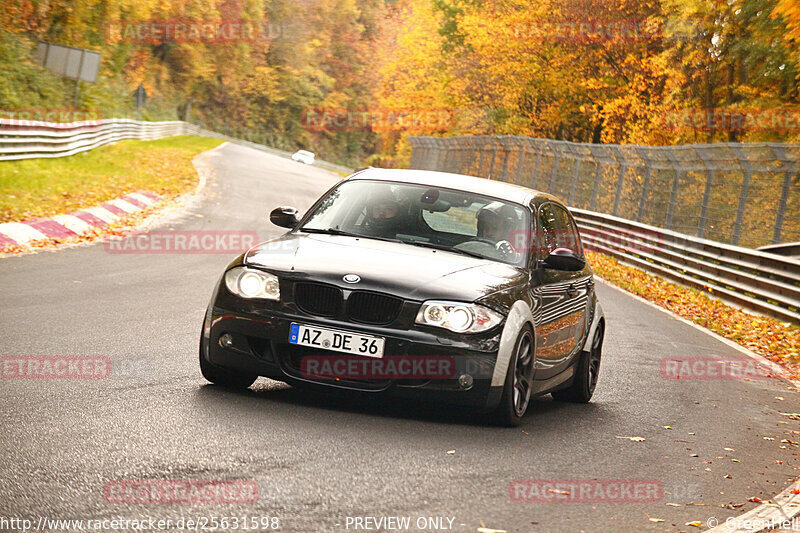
(404, 270)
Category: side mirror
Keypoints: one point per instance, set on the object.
(564, 259)
(285, 217)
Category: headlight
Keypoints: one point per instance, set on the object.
(458, 317)
(249, 283)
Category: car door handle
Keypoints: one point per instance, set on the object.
(572, 290)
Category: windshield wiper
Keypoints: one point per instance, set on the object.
(425, 244)
(329, 231)
(337, 231)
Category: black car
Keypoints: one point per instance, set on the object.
(418, 284)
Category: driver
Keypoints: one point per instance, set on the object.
(383, 216)
(495, 221)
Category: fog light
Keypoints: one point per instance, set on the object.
(225, 340)
(465, 381)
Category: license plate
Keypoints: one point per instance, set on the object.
(338, 341)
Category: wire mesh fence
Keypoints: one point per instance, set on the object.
(741, 194)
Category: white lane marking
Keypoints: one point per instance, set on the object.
(21, 233)
(783, 508)
(103, 214)
(74, 224)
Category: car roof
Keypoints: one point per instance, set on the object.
(461, 182)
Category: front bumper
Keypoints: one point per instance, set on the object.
(260, 346)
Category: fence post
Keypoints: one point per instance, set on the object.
(598, 173)
(646, 185)
(535, 174)
(520, 163)
(556, 162)
(578, 163)
(701, 223)
(491, 165)
(462, 142)
(780, 152)
(745, 191)
(480, 160)
(623, 166)
(507, 150)
(673, 197)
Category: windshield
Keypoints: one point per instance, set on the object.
(420, 215)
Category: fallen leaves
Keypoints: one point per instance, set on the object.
(775, 340)
(634, 439)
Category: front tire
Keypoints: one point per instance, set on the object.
(221, 377)
(586, 372)
(519, 382)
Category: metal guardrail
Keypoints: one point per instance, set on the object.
(35, 139)
(759, 281)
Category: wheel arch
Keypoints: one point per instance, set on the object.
(519, 316)
(598, 320)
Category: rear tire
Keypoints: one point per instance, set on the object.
(519, 382)
(586, 372)
(221, 377)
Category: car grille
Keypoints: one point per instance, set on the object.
(318, 299)
(373, 308)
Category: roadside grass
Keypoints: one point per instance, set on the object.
(33, 188)
(776, 340)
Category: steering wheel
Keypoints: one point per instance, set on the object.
(505, 248)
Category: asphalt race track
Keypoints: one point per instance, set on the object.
(318, 460)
